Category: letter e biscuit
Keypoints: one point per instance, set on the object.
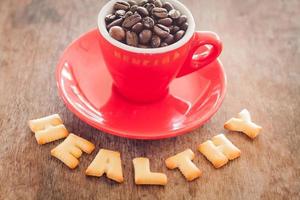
(71, 149)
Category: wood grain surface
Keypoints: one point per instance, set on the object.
(262, 61)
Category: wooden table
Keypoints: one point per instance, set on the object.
(262, 61)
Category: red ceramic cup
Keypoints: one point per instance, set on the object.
(144, 75)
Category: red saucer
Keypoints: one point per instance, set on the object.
(86, 87)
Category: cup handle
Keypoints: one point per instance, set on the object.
(201, 39)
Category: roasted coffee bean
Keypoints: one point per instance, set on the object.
(163, 44)
(142, 2)
(129, 13)
(109, 18)
(155, 41)
(184, 26)
(142, 11)
(145, 36)
(132, 38)
(131, 20)
(169, 39)
(134, 8)
(116, 22)
(181, 20)
(117, 33)
(158, 3)
(149, 7)
(132, 2)
(159, 12)
(174, 29)
(161, 30)
(121, 5)
(168, 6)
(166, 21)
(120, 13)
(143, 46)
(138, 27)
(174, 14)
(148, 22)
(179, 35)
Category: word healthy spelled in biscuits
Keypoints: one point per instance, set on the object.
(219, 150)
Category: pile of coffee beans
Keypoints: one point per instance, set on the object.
(146, 23)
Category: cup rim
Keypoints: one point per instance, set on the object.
(178, 5)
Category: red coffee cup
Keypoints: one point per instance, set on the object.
(144, 75)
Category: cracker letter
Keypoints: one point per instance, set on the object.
(143, 175)
(71, 149)
(183, 161)
(108, 162)
(243, 124)
(48, 129)
(219, 150)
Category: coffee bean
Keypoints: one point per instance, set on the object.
(169, 39)
(168, 6)
(137, 27)
(145, 36)
(131, 20)
(174, 14)
(116, 22)
(174, 29)
(155, 41)
(166, 21)
(132, 38)
(148, 22)
(163, 44)
(184, 26)
(129, 13)
(179, 35)
(134, 8)
(149, 7)
(120, 13)
(161, 30)
(181, 20)
(142, 2)
(142, 11)
(158, 3)
(109, 18)
(117, 33)
(121, 5)
(159, 12)
(132, 2)
(143, 46)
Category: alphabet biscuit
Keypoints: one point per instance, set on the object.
(183, 161)
(219, 150)
(108, 162)
(48, 129)
(143, 175)
(71, 149)
(243, 124)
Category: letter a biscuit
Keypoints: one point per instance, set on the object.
(108, 162)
